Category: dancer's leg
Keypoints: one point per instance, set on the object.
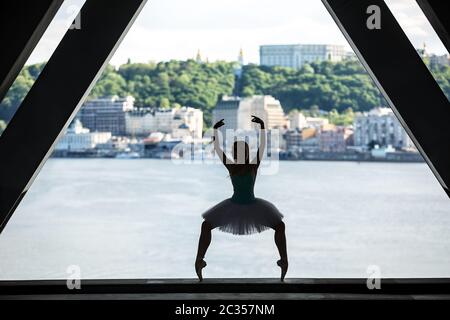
(280, 241)
(203, 244)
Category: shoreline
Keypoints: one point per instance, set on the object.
(281, 160)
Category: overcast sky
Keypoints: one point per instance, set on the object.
(176, 29)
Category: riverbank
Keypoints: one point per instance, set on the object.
(397, 156)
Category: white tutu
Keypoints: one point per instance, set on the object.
(243, 218)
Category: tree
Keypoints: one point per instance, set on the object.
(342, 86)
(110, 84)
(15, 95)
(164, 103)
(315, 111)
(307, 69)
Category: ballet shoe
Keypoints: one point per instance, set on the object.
(199, 265)
(283, 264)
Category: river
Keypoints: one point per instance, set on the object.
(141, 219)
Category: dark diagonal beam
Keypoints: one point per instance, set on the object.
(22, 23)
(437, 12)
(402, 77)
(57, 95)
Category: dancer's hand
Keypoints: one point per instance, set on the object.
(257, 120)
(219, 124)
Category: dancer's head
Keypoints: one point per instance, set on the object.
(241, 152)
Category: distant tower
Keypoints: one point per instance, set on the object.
(241, 57)
(423, 51)
(238, 72)
(239, 64)
(198, 57)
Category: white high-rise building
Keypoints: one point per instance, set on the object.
(380, 126)
(296, 55)
(237, 112)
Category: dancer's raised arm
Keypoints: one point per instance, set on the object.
(262, 141)
(223, 157)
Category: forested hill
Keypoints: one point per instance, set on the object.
(327, 85)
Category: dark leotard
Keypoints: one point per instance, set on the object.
(243, 186)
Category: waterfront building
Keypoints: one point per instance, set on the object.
(316, 122)
(293, 139)
(297, 120)
(178, 122)
(308, 133)
(106, 114)
(79, 139)
(334, 138)
(228, 110)
(296, 55)
(237, 112)
(380, 127)
(310, 144)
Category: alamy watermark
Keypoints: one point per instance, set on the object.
(74, 277)
(374, 277)
(374, 20)
(201, 153)
(74, 24)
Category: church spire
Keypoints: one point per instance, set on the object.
(241, 57)
(198, 57)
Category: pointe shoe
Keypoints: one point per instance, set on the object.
(283, 264)
(199, 265)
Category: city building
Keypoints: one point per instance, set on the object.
(237, 112)
(334, 138)
(380, 127)
(293, 139)
(79, 139)
(106, 114)
(308, 133)
(311, 144)
(296, 55)
(228, 110)
(439, 60)
(178, 122)
(297, 120)
(306, 139)
(316, 122)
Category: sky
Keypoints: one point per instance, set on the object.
(177, 29)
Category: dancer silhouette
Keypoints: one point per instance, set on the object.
(242, 213)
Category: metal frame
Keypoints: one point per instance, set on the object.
(77, 63)
(22, 23)
(403, 79)
(57, 95)
(436, 12)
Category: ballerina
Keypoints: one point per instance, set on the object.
(242, 213)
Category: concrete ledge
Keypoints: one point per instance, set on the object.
(228, 289)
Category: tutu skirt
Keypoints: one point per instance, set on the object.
(243, 218)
